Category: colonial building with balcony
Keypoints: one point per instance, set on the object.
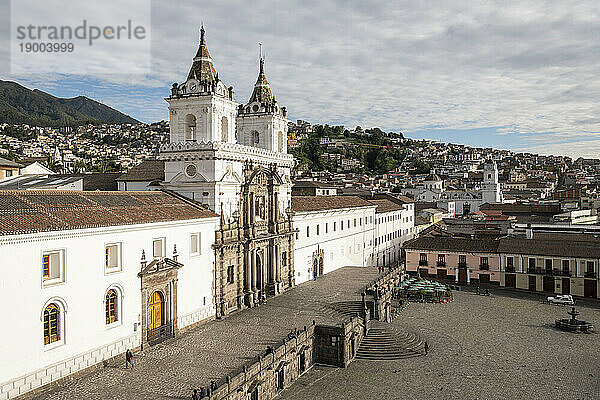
(560, 264)
(466, 261)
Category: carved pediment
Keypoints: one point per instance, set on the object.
(159, 265)
(183, 178)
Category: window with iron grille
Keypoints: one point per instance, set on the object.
(51, 324)
(111, 306)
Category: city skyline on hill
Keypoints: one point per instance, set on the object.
(521, 77)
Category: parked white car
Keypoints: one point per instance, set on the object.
(565, 299)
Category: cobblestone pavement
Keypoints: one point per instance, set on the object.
(481, 347)
(218, 348)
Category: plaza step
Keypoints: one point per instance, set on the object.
(385, 342)
(349, 308)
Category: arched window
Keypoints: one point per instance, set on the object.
(51, 324)
(255, 138)
(112, 314)
(280, 142)
(190, 127)
(224, 129)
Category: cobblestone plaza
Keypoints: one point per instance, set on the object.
(212, 351)
(480, 348)
(497, 347)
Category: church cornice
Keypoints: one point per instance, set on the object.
(181, 151)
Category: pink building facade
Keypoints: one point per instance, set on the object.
(463, 261)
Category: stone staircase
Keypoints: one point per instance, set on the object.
(348, 308)
(385, 343)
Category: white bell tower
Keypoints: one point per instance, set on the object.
(261, 122)
(202, 108)
(491, 187)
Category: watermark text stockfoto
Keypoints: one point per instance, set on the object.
(81, 32)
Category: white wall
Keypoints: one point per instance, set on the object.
(400, 226)
(351, 246)
(86, 338)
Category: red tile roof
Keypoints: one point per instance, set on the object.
(29, 211)
(318, 203)
(146, 171)
(384, 205)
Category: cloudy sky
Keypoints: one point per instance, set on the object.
(509, 74)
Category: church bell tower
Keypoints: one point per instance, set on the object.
(202, 108)
(262, 122)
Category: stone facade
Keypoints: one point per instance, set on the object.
(254, 252)
(234, 160)
(160, 276)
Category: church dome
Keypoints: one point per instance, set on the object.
(433, 178)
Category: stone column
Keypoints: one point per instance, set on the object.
(253, 270)
(247, 272)
(277, 264)
(251, 208)
(273, 261)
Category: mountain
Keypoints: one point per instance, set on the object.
(19, 105)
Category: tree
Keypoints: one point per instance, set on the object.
(384, 162)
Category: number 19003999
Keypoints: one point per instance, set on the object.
(46, 47)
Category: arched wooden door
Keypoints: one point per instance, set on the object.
(315, 268)
(155, 311)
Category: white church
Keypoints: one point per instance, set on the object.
(91, 274)
(466, 201)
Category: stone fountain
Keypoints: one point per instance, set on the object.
(573, 324)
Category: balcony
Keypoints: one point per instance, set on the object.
(548, 272)
(484, 267)
(510, 269)
(423, 263)
(441, 264)
(590, 274)
(534, 271)
(462, 265)
(565, 272)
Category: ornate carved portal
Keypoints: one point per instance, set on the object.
(254, 252)
(159, 298)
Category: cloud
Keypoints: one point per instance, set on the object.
(530, 67)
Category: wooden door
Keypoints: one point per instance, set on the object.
(590, 288)
(484, 279)
(423, 273)
(462, 275)
(155, 311)
(510, 280)
(566, 285)
(548, 284)
(315, 268)
(532, 283)
(442, 273)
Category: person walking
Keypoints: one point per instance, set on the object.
(128, 358)
(426, 347)
(195, 395)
